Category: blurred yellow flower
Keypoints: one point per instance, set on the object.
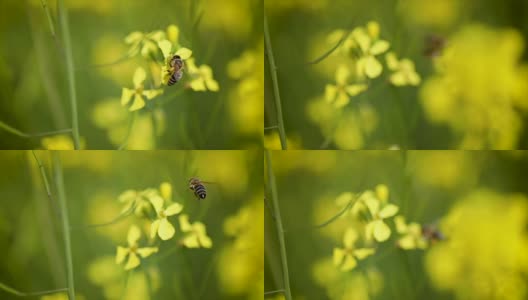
(475, 91)
(486, 253)
(166, 191)
(60, 296)
(144, 43)
(161, 225)
(132, 251)
(346, 258)
(340, 93)
(412, 237)
(195, 234)
(139, 93)
(437, 14)
(368, 41)
(201, 78)
(404, 72)
(60, 142)
(137, 199)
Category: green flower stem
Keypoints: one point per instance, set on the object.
(18, 293)
(274, 79)
(19, 133)
(59, 181)
(278, 224)
(70, 69)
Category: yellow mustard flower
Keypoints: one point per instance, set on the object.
(166, 191)
(404, 72)
(161, 225)
(138, 93)
(378, 208)
(346, 258)
(144, 43)
(167, 48)
(340, 93)
(196, 235)
(133, 251)
(201, 77)
(412, 237)
(137, 198)
(371, 45)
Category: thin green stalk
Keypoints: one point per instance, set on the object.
(278, 225)
(18, 293)
(59, 181)
(70, 70)
(19, 133)
(48, 15)
(273, 292)
(274, 79)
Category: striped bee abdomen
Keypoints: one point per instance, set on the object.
(175, 78)
(199, 191)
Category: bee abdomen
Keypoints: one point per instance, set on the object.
(174, 78)
(199, 191)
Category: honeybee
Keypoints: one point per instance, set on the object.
(176, 66)
(432, 233)
(434, 45)
(196, 185)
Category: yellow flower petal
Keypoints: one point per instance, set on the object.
(349, 264)
(398, 79)
(173, 33)
(342, 100)
(166, 189)
(150, 94)
(364, 253)
(392, 61)
(157, 35)
(198, 85)
(339, 255)
(330, 93)
(373, 29)
(407, 242)
(373, 205)
(206, 241)
(157, 202)
(154, 228)
(184, 53)
(356, 89)
(373, 68)
(139, 77)
(362, 38)
(381, 231)
(342, 74)
(133, 261)
(344, 198)
(121, 254)
(165, 230)
(126, 95)
(350, 238)
(382, 192)
(184, 223)
(401, 227)
(414, 78)
(173, 209)
(133, 235)
(212, 85)
(147, 251)
(388, 210)
(191, 241)
(134, 37)
(138, 103)
(165, 47)
(379, 47)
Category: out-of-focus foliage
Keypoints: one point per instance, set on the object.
(213, 106)
(167, 243)
(433, 237)
(445, 74)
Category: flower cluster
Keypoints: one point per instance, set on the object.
(156, 207)
(372, 215)
(158, 48)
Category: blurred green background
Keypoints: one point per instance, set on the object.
(31, 244)
(34, 98)
(480, 102)
(479, 201)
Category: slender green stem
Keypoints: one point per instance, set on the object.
(273, 292)
(59, 181)
(331, 50)
(48, 15)
(125, 284)
(18, 293)
(278, 224)
(19, 133)
(274, 79)
(70, 70)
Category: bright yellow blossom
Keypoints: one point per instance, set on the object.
(139, 93)
(133, 251)
(196, 235)
(404, 72)
(412, 237)
(161, 225)
(340, 93)
(346, 258)
(201, 77)
(370, 45)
